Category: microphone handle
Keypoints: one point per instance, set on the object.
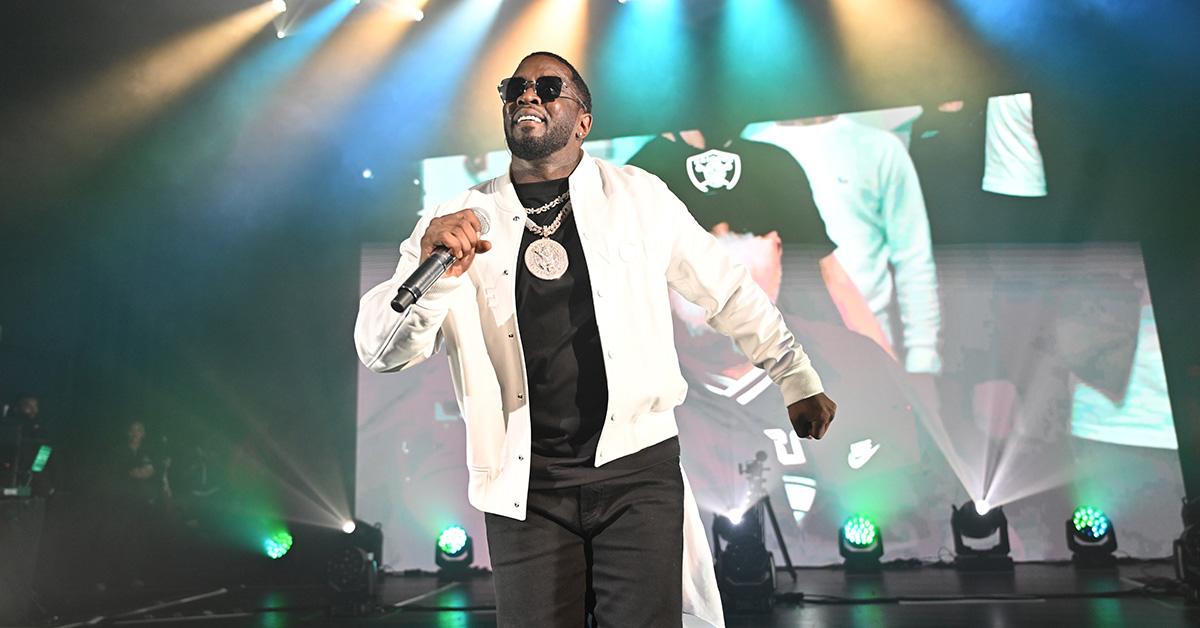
(422, 279)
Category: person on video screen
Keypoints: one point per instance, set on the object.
(868, 194)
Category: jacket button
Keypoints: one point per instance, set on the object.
(516, 505)
(520, 395)
(516, 218)
(520, 457)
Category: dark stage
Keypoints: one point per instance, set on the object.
(1035, 594)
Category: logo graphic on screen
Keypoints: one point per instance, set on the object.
(746, 387)
(782, 440)
(714, 169)
(860, 453)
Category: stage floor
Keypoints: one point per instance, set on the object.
(1033, 595)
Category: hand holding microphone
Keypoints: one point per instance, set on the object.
(448, 246)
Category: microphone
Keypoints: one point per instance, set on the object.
(423, 278)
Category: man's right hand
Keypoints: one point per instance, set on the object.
(458, 232)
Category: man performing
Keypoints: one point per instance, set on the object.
(559, 334)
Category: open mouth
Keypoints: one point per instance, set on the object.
(528, 118)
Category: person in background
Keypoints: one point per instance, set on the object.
(867, 191)
(133, 502)
(25, 411)
(136, 474)
(23, 435)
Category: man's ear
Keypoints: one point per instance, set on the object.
(584, 127)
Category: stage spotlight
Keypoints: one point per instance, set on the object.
(1091, 538)
(409, 10)
(367, 173)
(280, 35)
(982, 507)
(353, 574)
(277, 544)
(745, 569)
(353, 570)
(860, 543)
(454, 552)
(980, 538)
(453, 540)
(279, 5)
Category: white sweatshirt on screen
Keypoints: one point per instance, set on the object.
(867, 192)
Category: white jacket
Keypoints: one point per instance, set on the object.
(637, 239)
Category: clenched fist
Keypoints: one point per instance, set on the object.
(811, 417)
(458, 232)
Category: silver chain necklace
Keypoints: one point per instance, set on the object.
(549, 229)
(533, 211)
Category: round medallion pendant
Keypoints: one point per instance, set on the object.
(546, 259)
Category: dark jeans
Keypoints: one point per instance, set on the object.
(612, 548)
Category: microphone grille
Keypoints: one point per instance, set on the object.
(485, 225)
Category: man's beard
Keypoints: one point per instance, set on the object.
(531, 148)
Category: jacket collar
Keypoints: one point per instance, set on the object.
(584, 184)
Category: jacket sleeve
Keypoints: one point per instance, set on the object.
(702, 272)
(388, 341)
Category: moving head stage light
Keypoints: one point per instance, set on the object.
(353, 569)
(454, 551)
(860, 542)
(975, 525)
(1091, 538)
(745, 569)
(347, 564)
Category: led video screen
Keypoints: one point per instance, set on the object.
(966, 364)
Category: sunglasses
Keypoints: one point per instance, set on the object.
(548, 88)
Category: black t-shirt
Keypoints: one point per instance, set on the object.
(755, 187)
(135, 490)
(564, 360)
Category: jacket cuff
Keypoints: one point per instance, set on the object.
(801, 385)
(923, 360)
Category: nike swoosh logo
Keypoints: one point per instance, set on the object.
(859, 456)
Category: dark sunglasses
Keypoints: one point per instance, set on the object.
(548, 88)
